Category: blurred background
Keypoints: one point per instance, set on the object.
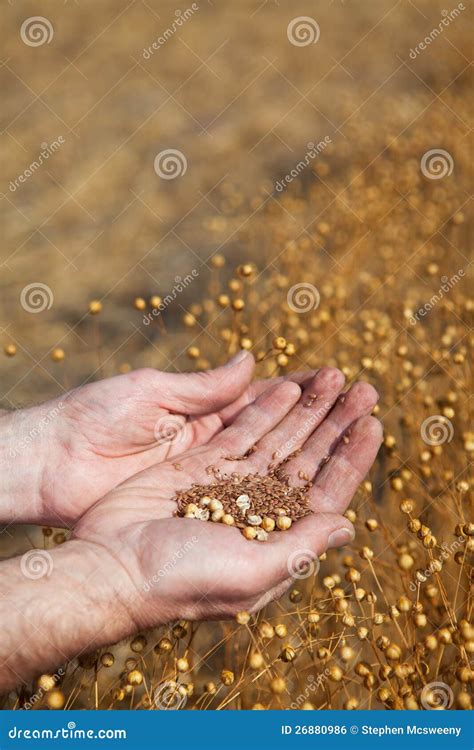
(241, 103)
(322, 143)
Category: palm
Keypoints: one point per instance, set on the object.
(115, 428)
(112, 429)
(209, 570)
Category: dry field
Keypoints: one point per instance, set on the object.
(320, 193)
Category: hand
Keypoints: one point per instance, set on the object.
(133, 564)
(59, 458)
(199, 570)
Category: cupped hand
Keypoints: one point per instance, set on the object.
(57, 459)
(60, 457)
(168, 567)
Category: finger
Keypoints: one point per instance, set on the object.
(337, 482)
(313, 406)
(205, 392)
(357, 402)
(258, 418)
(230, 412)
(287, 554)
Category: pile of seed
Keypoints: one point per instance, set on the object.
(256, 503)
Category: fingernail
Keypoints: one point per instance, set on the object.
(340, 537)
(239, 357)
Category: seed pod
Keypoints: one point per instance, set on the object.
(464, 701)
(347, 653)
(249, 532)
(295, 596)
(431, 642)
(182, 665)
(420, 620)
(46, 682)
(464, 674)
(202, 514)
(164, 646)
(405, 561)
(370, 681)
(353, 575)
(215, 505)
(351, 704)
(138, 643)
(256, 660)
(288, 654)
(242, 617)
(385, 672)
(266, 630)
(362, 669)
(404, 604)
(135, 677)
(55, 699)
(278, 685)
(393, 652)
(335, 673)
(407, 506)
(268, 524)
(227, 677)
(323, 653)
(107, 659)
(444, 635)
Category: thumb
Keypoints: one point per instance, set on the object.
(209, 391)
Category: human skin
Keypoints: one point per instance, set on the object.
(60, 457)
(96, 588)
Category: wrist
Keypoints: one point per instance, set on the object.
(57, 605)
(26, 442)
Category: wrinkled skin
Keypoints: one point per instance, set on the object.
(170, 567)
